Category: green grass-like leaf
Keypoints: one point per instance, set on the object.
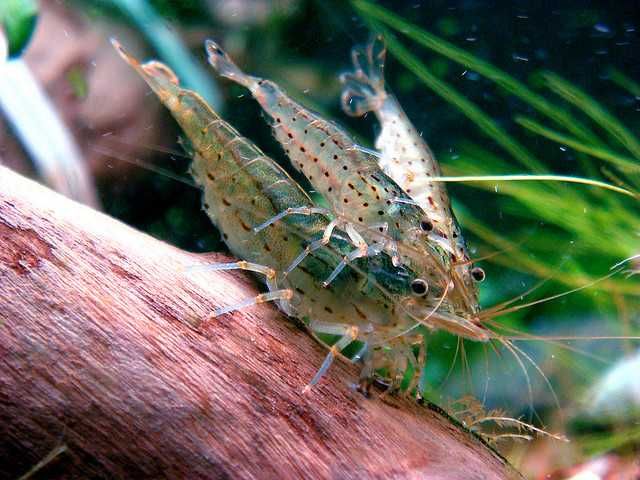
(600, 115)
(626, 163)
(625, 82)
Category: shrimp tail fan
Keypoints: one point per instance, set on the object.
(364, 86)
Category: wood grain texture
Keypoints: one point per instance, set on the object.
(105, 347)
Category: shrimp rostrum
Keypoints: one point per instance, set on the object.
(373, 307)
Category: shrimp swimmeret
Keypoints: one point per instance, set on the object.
(374, 304)
(371, 207)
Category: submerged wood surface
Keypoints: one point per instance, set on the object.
(105, 348)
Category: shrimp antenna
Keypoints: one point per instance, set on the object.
(148, 146)
(527, 292)
(501, 251)
(558, 340)
(626, 260)
(549, 298)
(146, 165)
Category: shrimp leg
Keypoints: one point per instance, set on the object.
(362, 249)
(347, 259)
(291, 211)
(315, 245)
(274, 294)
(349, 334)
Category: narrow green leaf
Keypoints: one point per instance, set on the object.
(593, 109)
(625, 163)
(625, 82)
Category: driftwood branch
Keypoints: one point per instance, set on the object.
(105, 349)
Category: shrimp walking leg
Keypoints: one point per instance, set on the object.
(276, 295)
(347, 259)
(415, 364)
(349, 334)
(315, 245)
(363, 250)
(291, 211)
(268, 272)
(282, 295)
(365, 380)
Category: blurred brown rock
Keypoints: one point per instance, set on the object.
(96, 94)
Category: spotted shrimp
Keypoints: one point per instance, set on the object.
(404, 154)
(372, 305)
(366, 203)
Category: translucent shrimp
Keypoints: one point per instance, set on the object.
(404, 154)
(375, 212)
(373, 304)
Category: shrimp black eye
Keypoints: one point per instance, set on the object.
(419, 287)
(478, 274)
(426, 225)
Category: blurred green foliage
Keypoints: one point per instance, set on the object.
(18, 20)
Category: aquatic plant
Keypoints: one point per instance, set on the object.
(579, 232)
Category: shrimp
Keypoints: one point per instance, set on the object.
(375, 212)
(373, 305)
(404, 154)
